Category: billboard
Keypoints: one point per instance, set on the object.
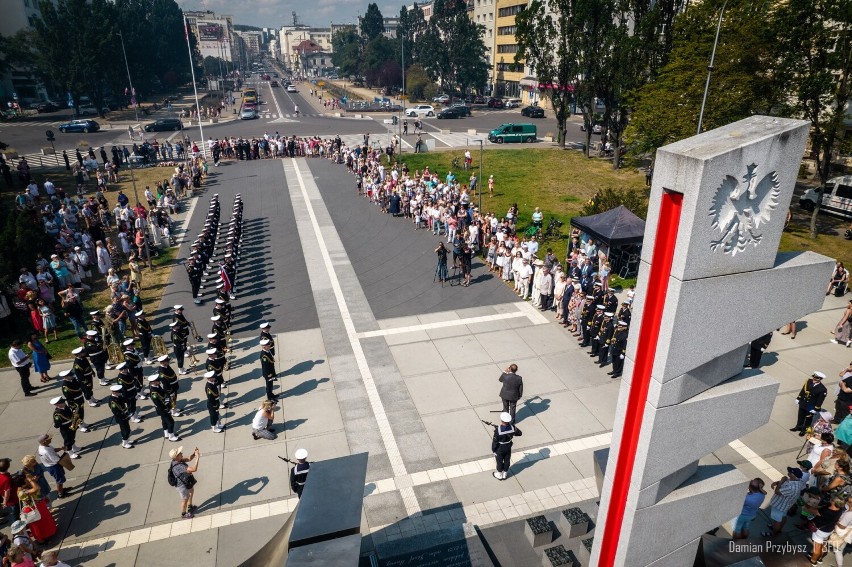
(210, 31)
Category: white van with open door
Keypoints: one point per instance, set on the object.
(837, 198)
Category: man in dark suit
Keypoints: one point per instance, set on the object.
(810, 400)
(512, 390)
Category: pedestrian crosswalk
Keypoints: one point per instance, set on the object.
(30, 123)
(39, 160)
(273, 115)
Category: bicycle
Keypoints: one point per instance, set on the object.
(455, 164)
(553, 228)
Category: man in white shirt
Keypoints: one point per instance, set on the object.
(532, 246)
(22, 363)
(49, 188)
(525, 273)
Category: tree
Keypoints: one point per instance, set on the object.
(814, 53)
(412, 27)
(373, 23)
(377, 52)
(83, 59)
(666, 109)
(416, 81)
(452, 46)
(346, 51)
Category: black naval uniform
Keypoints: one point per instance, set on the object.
(264, 334)
(145, 335)
(63, 418)
(72, 391)
(588, 314)
(618, 347)
(211, 389)
(134, 366)
(162, 404)
(298, 477)
(267, 365)
(170, 384)
(594, 332)
(121, 411)
(501, 445)
(94, 347)
(604, 339)
(193, 270)
(180, 335)
(85, 373)
(810, 400)
(129, 390)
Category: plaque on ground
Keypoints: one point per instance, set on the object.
(538, 531)
(574, 522)
(451, 554)
(558, 556)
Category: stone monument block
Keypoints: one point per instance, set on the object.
(538, 531)
(697, 380)
(558, 556)
(681, 557)
(655, 492)
(600, 457)
(710, 497)
(584, 552)
(712, 306)
(574, 522)
(734, 180)
(743, 404)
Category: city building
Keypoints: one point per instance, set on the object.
(291, 39)
(253, 41)
(482, 12)
(425, 7)
(214, 33)
(20, 82)
(507, 74)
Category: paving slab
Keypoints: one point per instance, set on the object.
(462, 352)
(480, 383)
(435, 393)
(504, 345)
(571, 420)
(538, 474)
(419, 358)
(482, 487)
(451, 447)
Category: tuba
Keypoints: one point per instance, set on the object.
(76, 420)
(158, 345)
(115, 355)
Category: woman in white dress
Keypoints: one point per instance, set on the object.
(104, 261)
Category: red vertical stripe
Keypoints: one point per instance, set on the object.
(649, 333)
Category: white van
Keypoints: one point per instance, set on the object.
(837, 198)
(512, 102)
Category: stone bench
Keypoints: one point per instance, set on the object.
(538, 531)
(574, 522)
(558, 556)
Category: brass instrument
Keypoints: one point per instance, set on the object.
(158, 345)
(195, 331)
(172, 402)
(115, 355)
(76, 420)
(190, 352)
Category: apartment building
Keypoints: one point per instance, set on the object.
(483, 12)
(506, 73)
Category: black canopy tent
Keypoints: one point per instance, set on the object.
(616, 227)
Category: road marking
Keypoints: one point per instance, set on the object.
(535, 317)
(185, 228)
(394, 456)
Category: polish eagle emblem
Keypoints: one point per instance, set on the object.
(740, 208)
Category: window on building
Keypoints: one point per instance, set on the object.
(511, 10)
(510, 67)
(490, 15)
(508, 48)
(507, 30)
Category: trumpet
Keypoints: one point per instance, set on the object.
(158, 345)
(115, 354)
(195, 331)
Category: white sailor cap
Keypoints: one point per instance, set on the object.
(211, 351)
(301, 454)
(128, 342)
(220, 286)
(163, 358)
(219, 300)
(140, 313)
(209, 374)
(608, 314)
(121, 366)
(212, 335)
(622, 323)
(506, 417)
(264, 342)
(77, 350)
(228, 255)
(154, 378)
(91, 333)
(215, 317)
(178, 307)
(64, 373)
(818, 374)
(264, 325)
(57, 400)
(601, 307)
(173, 323)
(116, 388)
(93, 313)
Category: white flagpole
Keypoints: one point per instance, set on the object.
(203, 147)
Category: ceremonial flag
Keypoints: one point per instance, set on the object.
(225, 279)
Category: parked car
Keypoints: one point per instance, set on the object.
(291, 89)
(513, 133)
(496, 103)
(420, 110)
(533, 112)
(248, 114)
(450, 112)
(463, 109)
(164, 125)
(512, 102)
(265, 77)
(837, 198)
(596, 128)
(273, 84)
(442, 99)
(90, 110)
(46, 107)
(84, 126)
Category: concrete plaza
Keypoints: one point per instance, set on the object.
(373, 356)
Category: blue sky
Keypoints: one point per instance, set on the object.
(275, 13)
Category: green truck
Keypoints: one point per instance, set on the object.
(513, 133)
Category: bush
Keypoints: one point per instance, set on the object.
(636, 200)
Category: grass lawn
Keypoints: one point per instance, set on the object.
(153, 281)
(561, 182)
